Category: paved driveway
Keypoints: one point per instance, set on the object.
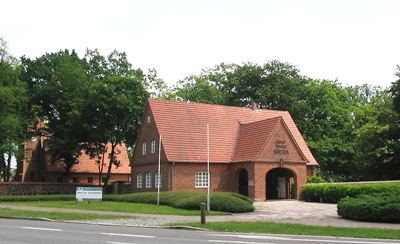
(293, 211)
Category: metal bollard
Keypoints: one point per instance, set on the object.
(203, 213)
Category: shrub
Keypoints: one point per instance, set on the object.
(219, 201)
(332, 193)
(315, 179)
(374, 207)
(37, 198)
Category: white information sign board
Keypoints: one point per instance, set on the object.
(89, 194)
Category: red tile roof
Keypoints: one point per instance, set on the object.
(252, 138)
(87, 165)
(183, 127)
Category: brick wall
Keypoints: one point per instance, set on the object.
(38, 188)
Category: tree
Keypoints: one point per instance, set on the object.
(113, 114)
(14, 116)
(377, 142)
(57, 85)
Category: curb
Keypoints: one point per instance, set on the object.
(27, 218)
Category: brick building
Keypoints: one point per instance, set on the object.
(36, 166)
(255, 152)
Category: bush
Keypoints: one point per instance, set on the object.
(315, 179)
(374, 207)
(37, 198)
(332, 193)
(190, 200)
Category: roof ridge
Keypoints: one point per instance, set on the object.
(215, 104)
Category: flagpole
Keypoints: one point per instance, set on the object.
(159, 172)
(208, 168)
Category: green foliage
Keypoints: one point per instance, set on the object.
(219, 201)
(14, 113)
(37, 198)
(374, 207)
(189, 200)
(332, 193)
(315, 179)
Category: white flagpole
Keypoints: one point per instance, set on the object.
(208, 168)
(159, 172)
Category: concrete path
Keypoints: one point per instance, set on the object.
(283, 211)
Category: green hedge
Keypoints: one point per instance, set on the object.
(333, 192)
(374, 207)
(35, 198)
(219, 201)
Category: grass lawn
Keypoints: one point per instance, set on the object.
(6, 212)
(298, 229)
(114, 207)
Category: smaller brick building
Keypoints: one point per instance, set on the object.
(255, 152)
(36, 166)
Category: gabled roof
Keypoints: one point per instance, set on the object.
(87, 165)
(252, 137)
(183, 127)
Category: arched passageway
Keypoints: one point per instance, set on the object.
(243, 183)
(280, 184)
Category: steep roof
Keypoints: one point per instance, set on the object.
(87, 165)
(252, 138)
(183, 127)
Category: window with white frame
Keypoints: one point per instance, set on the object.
(201, 179)
(157, 179)
(148, 119)
(153, 146)
(148, 180)
(144, 148)
(139, 180)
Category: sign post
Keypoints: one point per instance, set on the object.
(89, 194)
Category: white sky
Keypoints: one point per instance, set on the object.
(357, 42)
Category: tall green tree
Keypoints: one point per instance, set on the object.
(57, 85)
(13, 111)
(115, 105)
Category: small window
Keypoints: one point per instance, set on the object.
(75, 179)
(201, 179)
(103, 180)
(90, 180)
(153, 146)
(148, 180)
(144, 148)
(148, 119)
(139, 180)
(32, 176)
(157, 180)
(60, 179)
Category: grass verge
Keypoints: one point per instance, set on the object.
(124, 207)
(297, 229)
(60, 216)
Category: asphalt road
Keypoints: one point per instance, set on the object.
(45, 232)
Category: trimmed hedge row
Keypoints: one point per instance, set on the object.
(375, 207)
(219, 201)
(333, 192)
(36, 198)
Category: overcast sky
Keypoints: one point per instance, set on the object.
(356, 42)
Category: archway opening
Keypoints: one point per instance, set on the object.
(280, 184)
(243, 183)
